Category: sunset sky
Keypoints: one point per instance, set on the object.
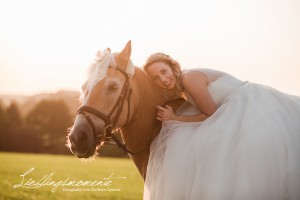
(46, 46)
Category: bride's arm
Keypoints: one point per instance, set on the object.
(166, 113)
(195, 83)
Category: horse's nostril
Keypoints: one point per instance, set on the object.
(78, 138)
(82, 136)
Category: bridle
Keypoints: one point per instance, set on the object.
(110, 126)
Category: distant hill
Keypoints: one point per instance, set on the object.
(26, 103)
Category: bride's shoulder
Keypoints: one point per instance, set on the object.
(191, 76)
(196, 72)
(203, 70)
(203, 74)
(207, 71)
(192, 70)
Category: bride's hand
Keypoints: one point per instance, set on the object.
(165, 113)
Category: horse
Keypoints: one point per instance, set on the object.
(118, 97)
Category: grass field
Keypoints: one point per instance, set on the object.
(64, 169)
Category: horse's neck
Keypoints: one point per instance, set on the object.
(139, 136)
(145, 128)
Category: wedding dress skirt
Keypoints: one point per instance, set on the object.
(248, 149)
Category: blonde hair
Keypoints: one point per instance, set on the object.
(175, 66)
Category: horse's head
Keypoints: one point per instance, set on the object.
(105, 101)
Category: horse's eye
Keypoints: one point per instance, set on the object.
(113, 86)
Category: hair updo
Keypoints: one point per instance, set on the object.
(175, 66)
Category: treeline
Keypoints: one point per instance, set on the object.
(42, 130)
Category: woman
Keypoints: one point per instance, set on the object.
(234, 140)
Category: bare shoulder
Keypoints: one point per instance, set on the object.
(191, 78)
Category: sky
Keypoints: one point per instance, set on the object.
(47, 46)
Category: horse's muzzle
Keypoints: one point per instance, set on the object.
(81, 139)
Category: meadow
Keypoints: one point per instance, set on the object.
(41, 176)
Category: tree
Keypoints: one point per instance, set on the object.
(50, 120)
(13, 115)
(13, 127)
(3, 126)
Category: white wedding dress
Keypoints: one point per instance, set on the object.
(249, 149)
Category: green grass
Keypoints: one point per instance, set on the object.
(12, 165)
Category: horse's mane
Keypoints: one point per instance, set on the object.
(148, 90)
(150, 95)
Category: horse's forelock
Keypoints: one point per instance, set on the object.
(97, 70)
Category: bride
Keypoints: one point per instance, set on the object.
(232, 140)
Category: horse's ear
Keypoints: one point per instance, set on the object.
(124, 56)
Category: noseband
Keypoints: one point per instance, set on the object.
(110, 126)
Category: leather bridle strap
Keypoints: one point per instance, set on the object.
(123, 146)
(95, 112)
(86, 109)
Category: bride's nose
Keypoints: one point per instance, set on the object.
(163, 79)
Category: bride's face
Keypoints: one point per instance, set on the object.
(162, 74)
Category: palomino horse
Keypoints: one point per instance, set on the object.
(117, 96)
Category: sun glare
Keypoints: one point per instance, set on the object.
(47, 46)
